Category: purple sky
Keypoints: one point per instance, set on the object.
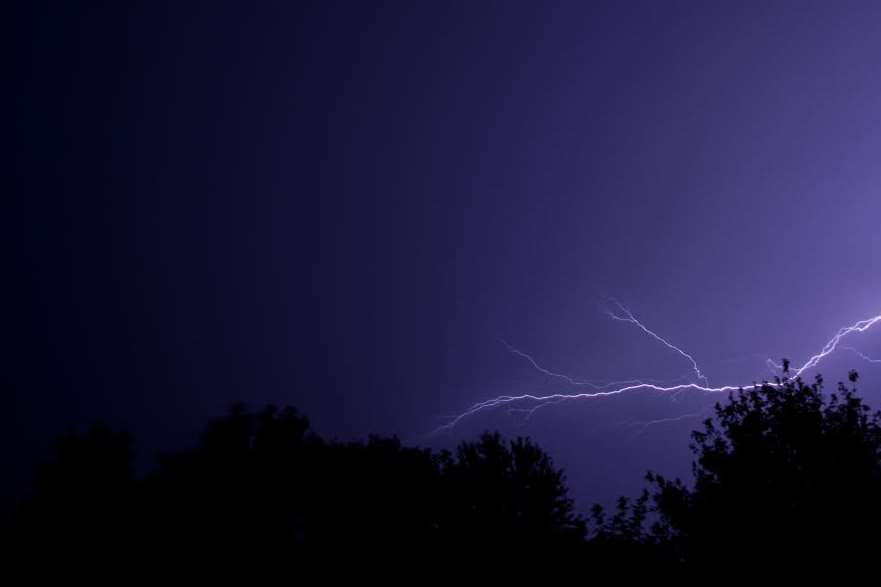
(344, 207)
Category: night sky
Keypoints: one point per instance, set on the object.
(346, 207)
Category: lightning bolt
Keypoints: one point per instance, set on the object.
(830, 346)
(549, 399)
(629, 317)
(644, 425)
(530, 411)
(861, 355)
(580, 382)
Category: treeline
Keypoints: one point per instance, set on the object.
(783, 474)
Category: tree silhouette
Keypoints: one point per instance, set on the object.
(784, 474)
(238, 491)
(261, 484)
(503, 494)
(84, 498)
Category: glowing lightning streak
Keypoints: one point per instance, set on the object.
(529, 412)
(861, 355)
(860, 326)
(507, 399)
(643, 426)
(629, 317)
(828, 348)
(571, 380)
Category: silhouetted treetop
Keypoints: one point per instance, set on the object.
(259, 483)
(508, 492)
(784, 471)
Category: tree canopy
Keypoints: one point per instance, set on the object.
(783, 473)
(262, 482)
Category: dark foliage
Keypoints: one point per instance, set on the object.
(783, 474)
(495, 493)
(261, 485)
(87, 488)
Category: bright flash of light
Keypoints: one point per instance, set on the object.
(610, 390)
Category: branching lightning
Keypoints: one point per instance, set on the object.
(581, 382)
(861, 355)
(644, 425)
(860, 326)
(618, 388)
(629, 317)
